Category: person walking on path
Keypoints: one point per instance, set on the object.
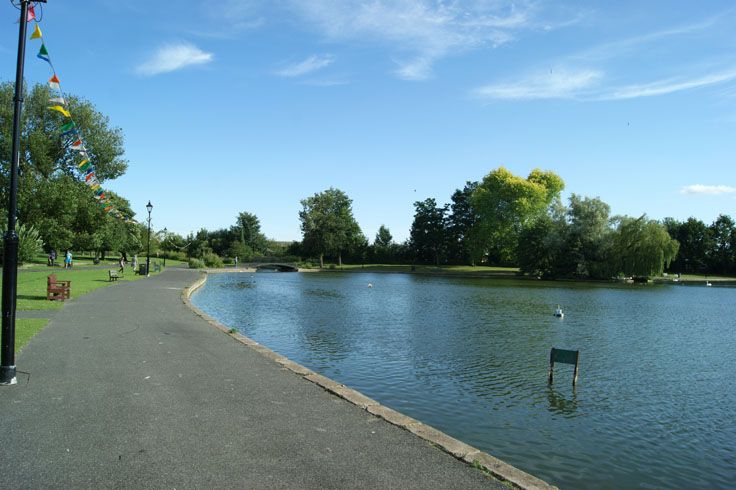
(134, 263)
(122, 264)
(68, 260)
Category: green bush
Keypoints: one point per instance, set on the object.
(212, 260)
(29, 243)
(174, 255)
(196, 264)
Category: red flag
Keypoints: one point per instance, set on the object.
(31, 14)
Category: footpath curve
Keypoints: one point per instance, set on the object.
(128, 387)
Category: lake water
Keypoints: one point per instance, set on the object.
(655, 404)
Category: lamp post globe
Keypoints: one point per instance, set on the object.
(149, 207)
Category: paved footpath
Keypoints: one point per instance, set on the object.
(128, 388)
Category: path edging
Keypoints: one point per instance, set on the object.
(449, 444)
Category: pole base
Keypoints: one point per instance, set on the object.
(7, 375)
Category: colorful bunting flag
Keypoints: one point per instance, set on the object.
(69, 128)
(43, 54)
(31, 13)
(54, 82)
(60, 109)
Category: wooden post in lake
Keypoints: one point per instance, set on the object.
(565, 357)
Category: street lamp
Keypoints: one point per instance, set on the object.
(149, 207)
(165, 231)
(10, 239)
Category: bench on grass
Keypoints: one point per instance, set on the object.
(57, 290)
(114, 276)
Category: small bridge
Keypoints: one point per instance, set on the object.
(277, 268)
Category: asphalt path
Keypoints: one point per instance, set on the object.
(128, 388)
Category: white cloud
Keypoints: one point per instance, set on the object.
(174, 57)
(614, 58)
(421, 31)
(309, 65)
(586, 85)
(556, 84)
(712, 190)
(663, 87)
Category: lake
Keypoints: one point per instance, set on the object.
(655, 403)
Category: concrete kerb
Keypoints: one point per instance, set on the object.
(450, 445)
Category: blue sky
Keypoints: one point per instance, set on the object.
(253, 105)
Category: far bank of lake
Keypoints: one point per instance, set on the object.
(654, 402)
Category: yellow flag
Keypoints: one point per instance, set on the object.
(83, 163)
(36, 33)
(60, 109)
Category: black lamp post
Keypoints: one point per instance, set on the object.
(10, 239)
(164, 231)
(149, 207)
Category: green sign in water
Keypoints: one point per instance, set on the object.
(564, 356)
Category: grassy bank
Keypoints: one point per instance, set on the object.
(485, 271)
(31, 294)
(465, 270)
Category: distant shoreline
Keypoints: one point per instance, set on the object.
(496, 273)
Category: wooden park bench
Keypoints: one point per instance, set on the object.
(114, 276)
(57, 290)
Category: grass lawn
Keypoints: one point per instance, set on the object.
(443, 269)
(26, 328)
(32, 285)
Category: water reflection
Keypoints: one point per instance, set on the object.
(566, 405)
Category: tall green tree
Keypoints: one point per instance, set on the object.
(460, 222)
(506, 203)
(723, 256)
(328, 225)
(696, 245)
(589, 237)
(51, 196)
(643, 247)
(381, 250)
(427, 236)
(249, 230)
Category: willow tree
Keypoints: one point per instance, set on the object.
(643, 247)
(505, 203)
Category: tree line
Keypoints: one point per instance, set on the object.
(509, 220)
(502, 219)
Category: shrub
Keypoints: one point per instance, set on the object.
(29, 243)
(196, 264)
(212, 260)
(174, 255)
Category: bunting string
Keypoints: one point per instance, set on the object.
(70, 132)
